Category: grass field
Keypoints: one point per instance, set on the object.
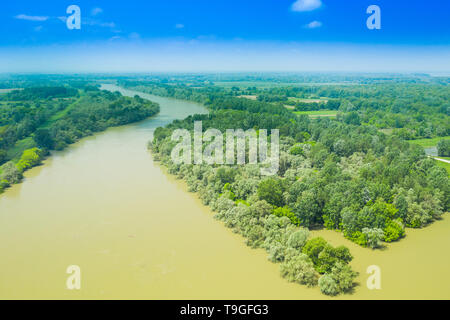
(444, 165)
(427, 143)
(319, 113)
(249, 97)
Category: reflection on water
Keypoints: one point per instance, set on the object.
(136, 233)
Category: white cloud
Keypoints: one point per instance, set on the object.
(306, 5)
(313, 25)
(38, 28)
(96, 11)
(179, 26)
(31, 18)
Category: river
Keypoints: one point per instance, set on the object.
(136, 233)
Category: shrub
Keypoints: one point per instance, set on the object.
(299, 269)
(394, 230)
(10, 173)
(327, 285)
(287, 212)
(298, 239)
(29, 159)
(373, 236)
(344, 277)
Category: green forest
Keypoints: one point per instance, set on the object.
(38, 119)
(346, 173)
(356, 153)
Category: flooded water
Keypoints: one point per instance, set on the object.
(432, 151)
(136, 233)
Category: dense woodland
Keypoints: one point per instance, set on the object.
(411, 110)
(343, 174)
(36, 120)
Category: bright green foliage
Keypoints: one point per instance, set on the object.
(394, 230)
(297, 150)
(29, 159)
(384, 210)
(325, 256)
(358, 237)
(313, 248)
(286, 212)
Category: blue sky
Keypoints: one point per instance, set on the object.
(218, 35)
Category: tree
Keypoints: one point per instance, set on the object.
(313, 248)
(298, 239)
(443, 148)
(307, 209)
(43, 138)
(225, 175)
(260, 209)
(349, 221)
(394, 230)
(352, 118)
(329, 256)
(271, 190)
(286, 212)
(297, 150)
(2, 156)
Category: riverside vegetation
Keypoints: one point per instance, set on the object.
(343, 174)
(38, 119)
